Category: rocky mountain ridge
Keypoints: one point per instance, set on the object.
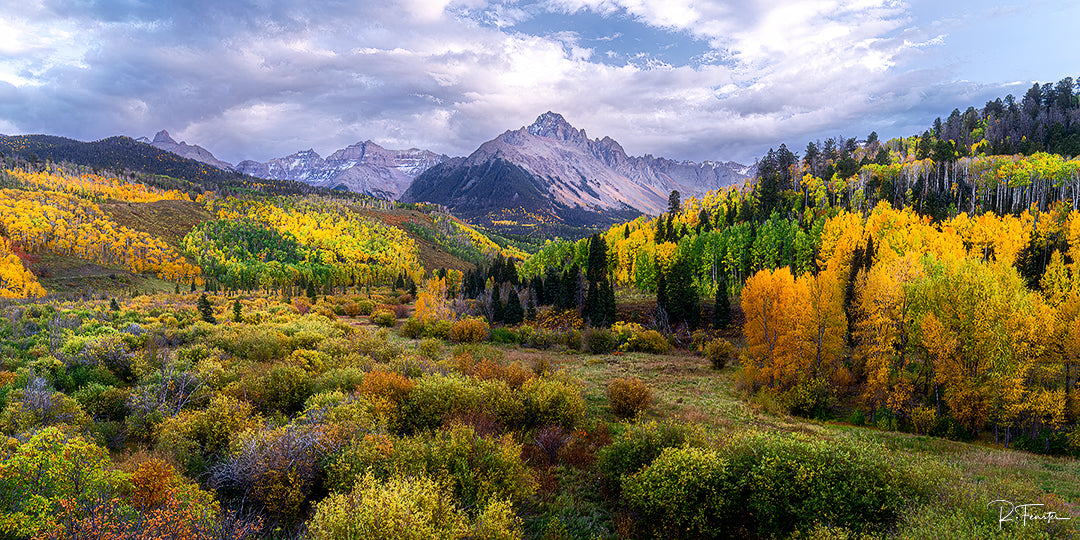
(364, 167)
(552, 168)
(162, 140)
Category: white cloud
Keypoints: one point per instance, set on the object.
(448, 75)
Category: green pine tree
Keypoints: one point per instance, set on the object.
(113, 305)
(722, 308)
(498, 313)
(206, 309)
(237, 316)
(597, 263)
(530, 308)
(593, 310)
(513, 314)
(607, 303)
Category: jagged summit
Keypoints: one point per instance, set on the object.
(552, 125)
(552, 168)
(164, 141)
(163, 137)
(363, 167)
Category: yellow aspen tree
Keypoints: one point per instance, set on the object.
(770, 301)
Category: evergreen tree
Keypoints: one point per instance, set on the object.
(237, 316)
(113, 305)
(311, 291)
(674, 206)
(530, 308)
(498, 313)
(537, 289)
(607, 303)
(510, 273)
(925, 146)
(597, 263)
(681, 295)
(570, 285)
(513, 314)
(176, 290)
(593, 313)
(722, 308)
(206, 309)
(858, 256)
(552, 287)
(192, 285)
(661, 288)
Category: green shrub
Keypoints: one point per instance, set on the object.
(474, 469)
(413, 328)
(809, 398)
(719, 352)
(628, 396)
(47, 470)
(345, 379)
(572, 339)
(436, 398)
(102, 402)
(788, 483)
(538, 338)
(637, 447)
(365, 307)
(599, 340)
(37, 406)
(401, 508)
(439, 329)
(384, 318)
(550, 401)
(683, 493)
(284, 389)
(194, 438)
(503, 335)
(306, 339)
(431, 348)
(648, 341)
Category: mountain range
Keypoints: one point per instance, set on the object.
(163, 141)
(361, 168)
(547, 172)
(550, 170)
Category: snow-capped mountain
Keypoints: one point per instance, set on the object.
(362, 168)
(163, 141)
(552, 168)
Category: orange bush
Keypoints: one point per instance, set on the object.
(152, 484)
(386, 385)
(470, 330)
(628, 396)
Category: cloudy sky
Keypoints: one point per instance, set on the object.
(685, 79)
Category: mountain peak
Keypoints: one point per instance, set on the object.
(553, 126)
(163, 137)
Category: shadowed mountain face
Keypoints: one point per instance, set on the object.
(163, 141)
(361, 168)
(551, 170)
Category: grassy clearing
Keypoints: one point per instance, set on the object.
(687, 389)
